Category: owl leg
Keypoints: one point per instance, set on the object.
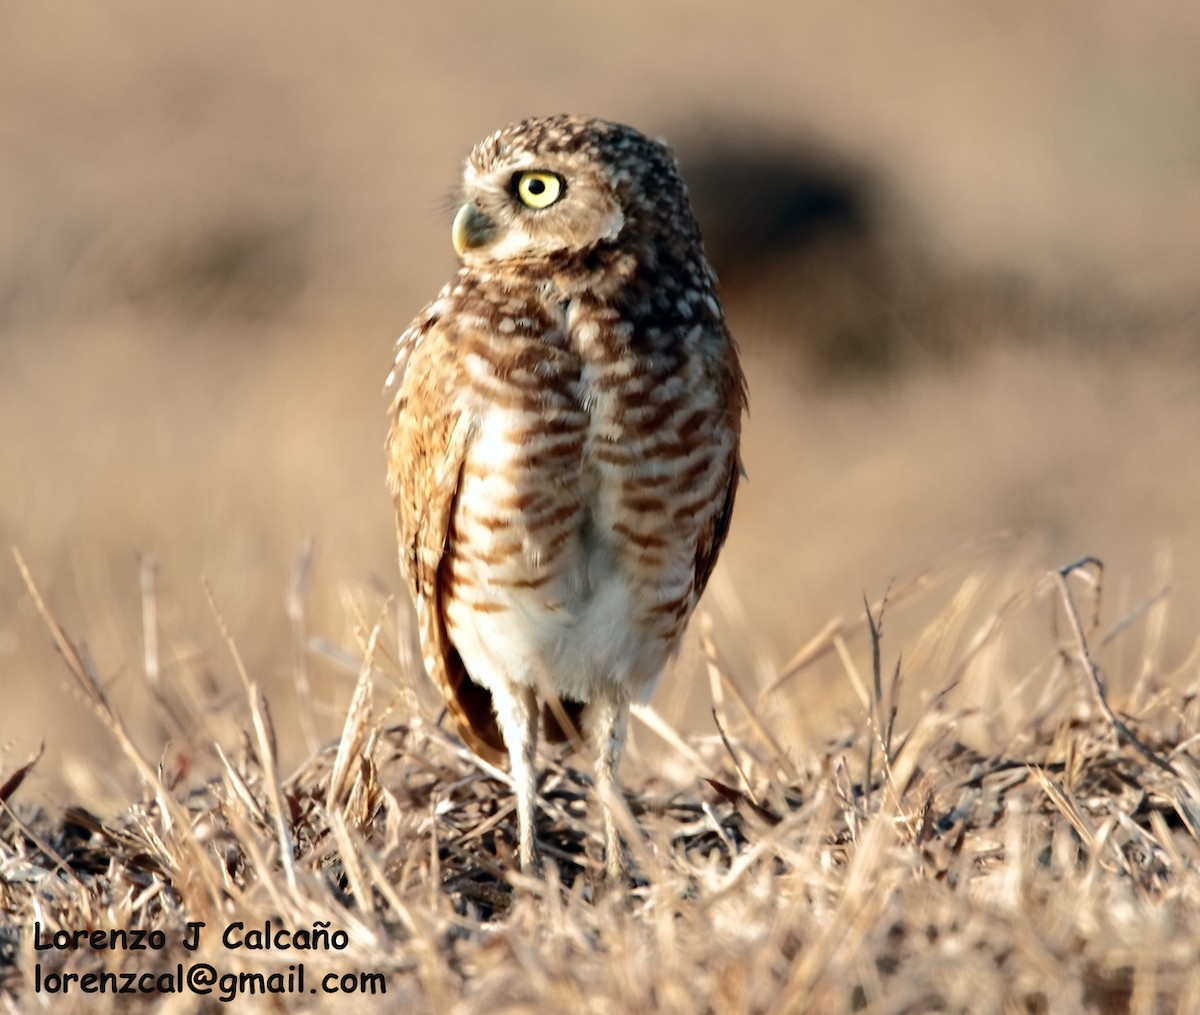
(517, 715)
(605, 721)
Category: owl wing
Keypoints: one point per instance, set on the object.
(712, 536)
(731, 382)
(427, 445)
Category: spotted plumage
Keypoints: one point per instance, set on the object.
(563, 449)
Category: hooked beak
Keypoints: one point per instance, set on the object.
(472, 228)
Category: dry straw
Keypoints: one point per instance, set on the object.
(1035, 855)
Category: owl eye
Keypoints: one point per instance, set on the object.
(538, 189)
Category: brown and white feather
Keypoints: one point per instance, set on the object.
(563, 450)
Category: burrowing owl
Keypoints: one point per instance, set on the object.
(563, 448)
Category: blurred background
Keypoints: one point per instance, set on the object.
(959, 243)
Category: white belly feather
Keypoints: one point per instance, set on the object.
(570, 626)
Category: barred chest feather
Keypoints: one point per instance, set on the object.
(595, 465)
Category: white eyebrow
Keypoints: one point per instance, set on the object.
(490, 179)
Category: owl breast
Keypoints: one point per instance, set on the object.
(595, 463)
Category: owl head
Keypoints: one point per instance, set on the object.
(548, 188)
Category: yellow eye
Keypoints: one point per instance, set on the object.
(538, 189)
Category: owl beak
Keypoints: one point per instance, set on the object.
(472, 228)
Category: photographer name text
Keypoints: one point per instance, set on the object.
(268, 937)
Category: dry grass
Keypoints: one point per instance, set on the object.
(1042, 857)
